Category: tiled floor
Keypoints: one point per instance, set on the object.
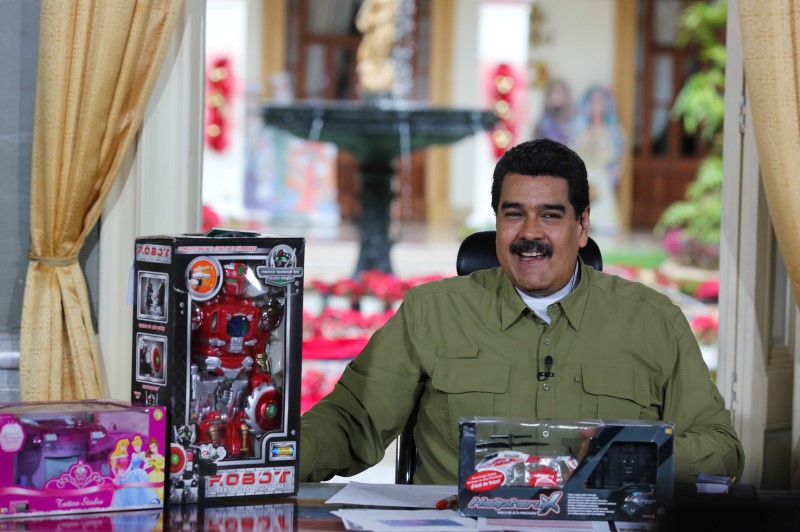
(416, 250)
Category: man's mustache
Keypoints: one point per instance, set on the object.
(532, 246)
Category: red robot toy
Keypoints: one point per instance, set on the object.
(233, 394)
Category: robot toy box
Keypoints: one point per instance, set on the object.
(80, 456)
(217, 340)
(550, 469)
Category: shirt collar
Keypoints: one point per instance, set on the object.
(573, 305)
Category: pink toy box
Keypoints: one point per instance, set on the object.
(80, 456)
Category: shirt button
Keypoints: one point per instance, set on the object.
(547, 341)
(546, 386)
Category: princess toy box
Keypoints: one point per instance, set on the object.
(80, 456)
(217, 340)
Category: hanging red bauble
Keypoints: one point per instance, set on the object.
(503, 84)
(219, 85)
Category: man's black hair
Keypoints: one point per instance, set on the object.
(544, 157)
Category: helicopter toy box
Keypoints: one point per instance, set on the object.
(217, 340)
(585, 470)
(80, 456)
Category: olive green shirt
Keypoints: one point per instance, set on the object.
(469, 346)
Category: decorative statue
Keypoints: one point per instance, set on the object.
(555, 122)
(598, 140)
(375, 68)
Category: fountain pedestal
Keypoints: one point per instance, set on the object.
(376, 133)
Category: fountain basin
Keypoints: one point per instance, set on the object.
(377, 130)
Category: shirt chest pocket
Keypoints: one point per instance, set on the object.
(617, 393)
(466, 389)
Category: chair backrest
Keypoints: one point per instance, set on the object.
(477, 252)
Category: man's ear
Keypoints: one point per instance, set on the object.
(584, 223)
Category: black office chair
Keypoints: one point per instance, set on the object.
(477, 252)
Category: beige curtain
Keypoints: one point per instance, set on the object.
(98, 62)
(771, 46)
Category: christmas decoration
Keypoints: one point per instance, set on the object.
(219, 85)
(502, 93)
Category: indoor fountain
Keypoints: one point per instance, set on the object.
(380, 127)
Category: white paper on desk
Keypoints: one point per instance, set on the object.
(573, 525)
(404, 520)
(394, 495)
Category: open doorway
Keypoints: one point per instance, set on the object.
(665, 157)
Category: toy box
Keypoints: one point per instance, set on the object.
(80, 456)
(217, 339)
(587, 470)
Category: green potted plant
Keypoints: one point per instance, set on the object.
(690, 229)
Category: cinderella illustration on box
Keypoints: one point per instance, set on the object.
(134, 485)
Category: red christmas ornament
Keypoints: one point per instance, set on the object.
(219, 89)
(502, 93)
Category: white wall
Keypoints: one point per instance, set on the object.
(466, 90)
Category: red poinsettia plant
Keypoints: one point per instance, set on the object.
(708, 291)
(383, 285)
(336, 322)
(318, 286)
(346, 287)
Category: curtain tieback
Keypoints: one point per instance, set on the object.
(54, 261)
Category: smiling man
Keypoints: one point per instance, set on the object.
(542, 336)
